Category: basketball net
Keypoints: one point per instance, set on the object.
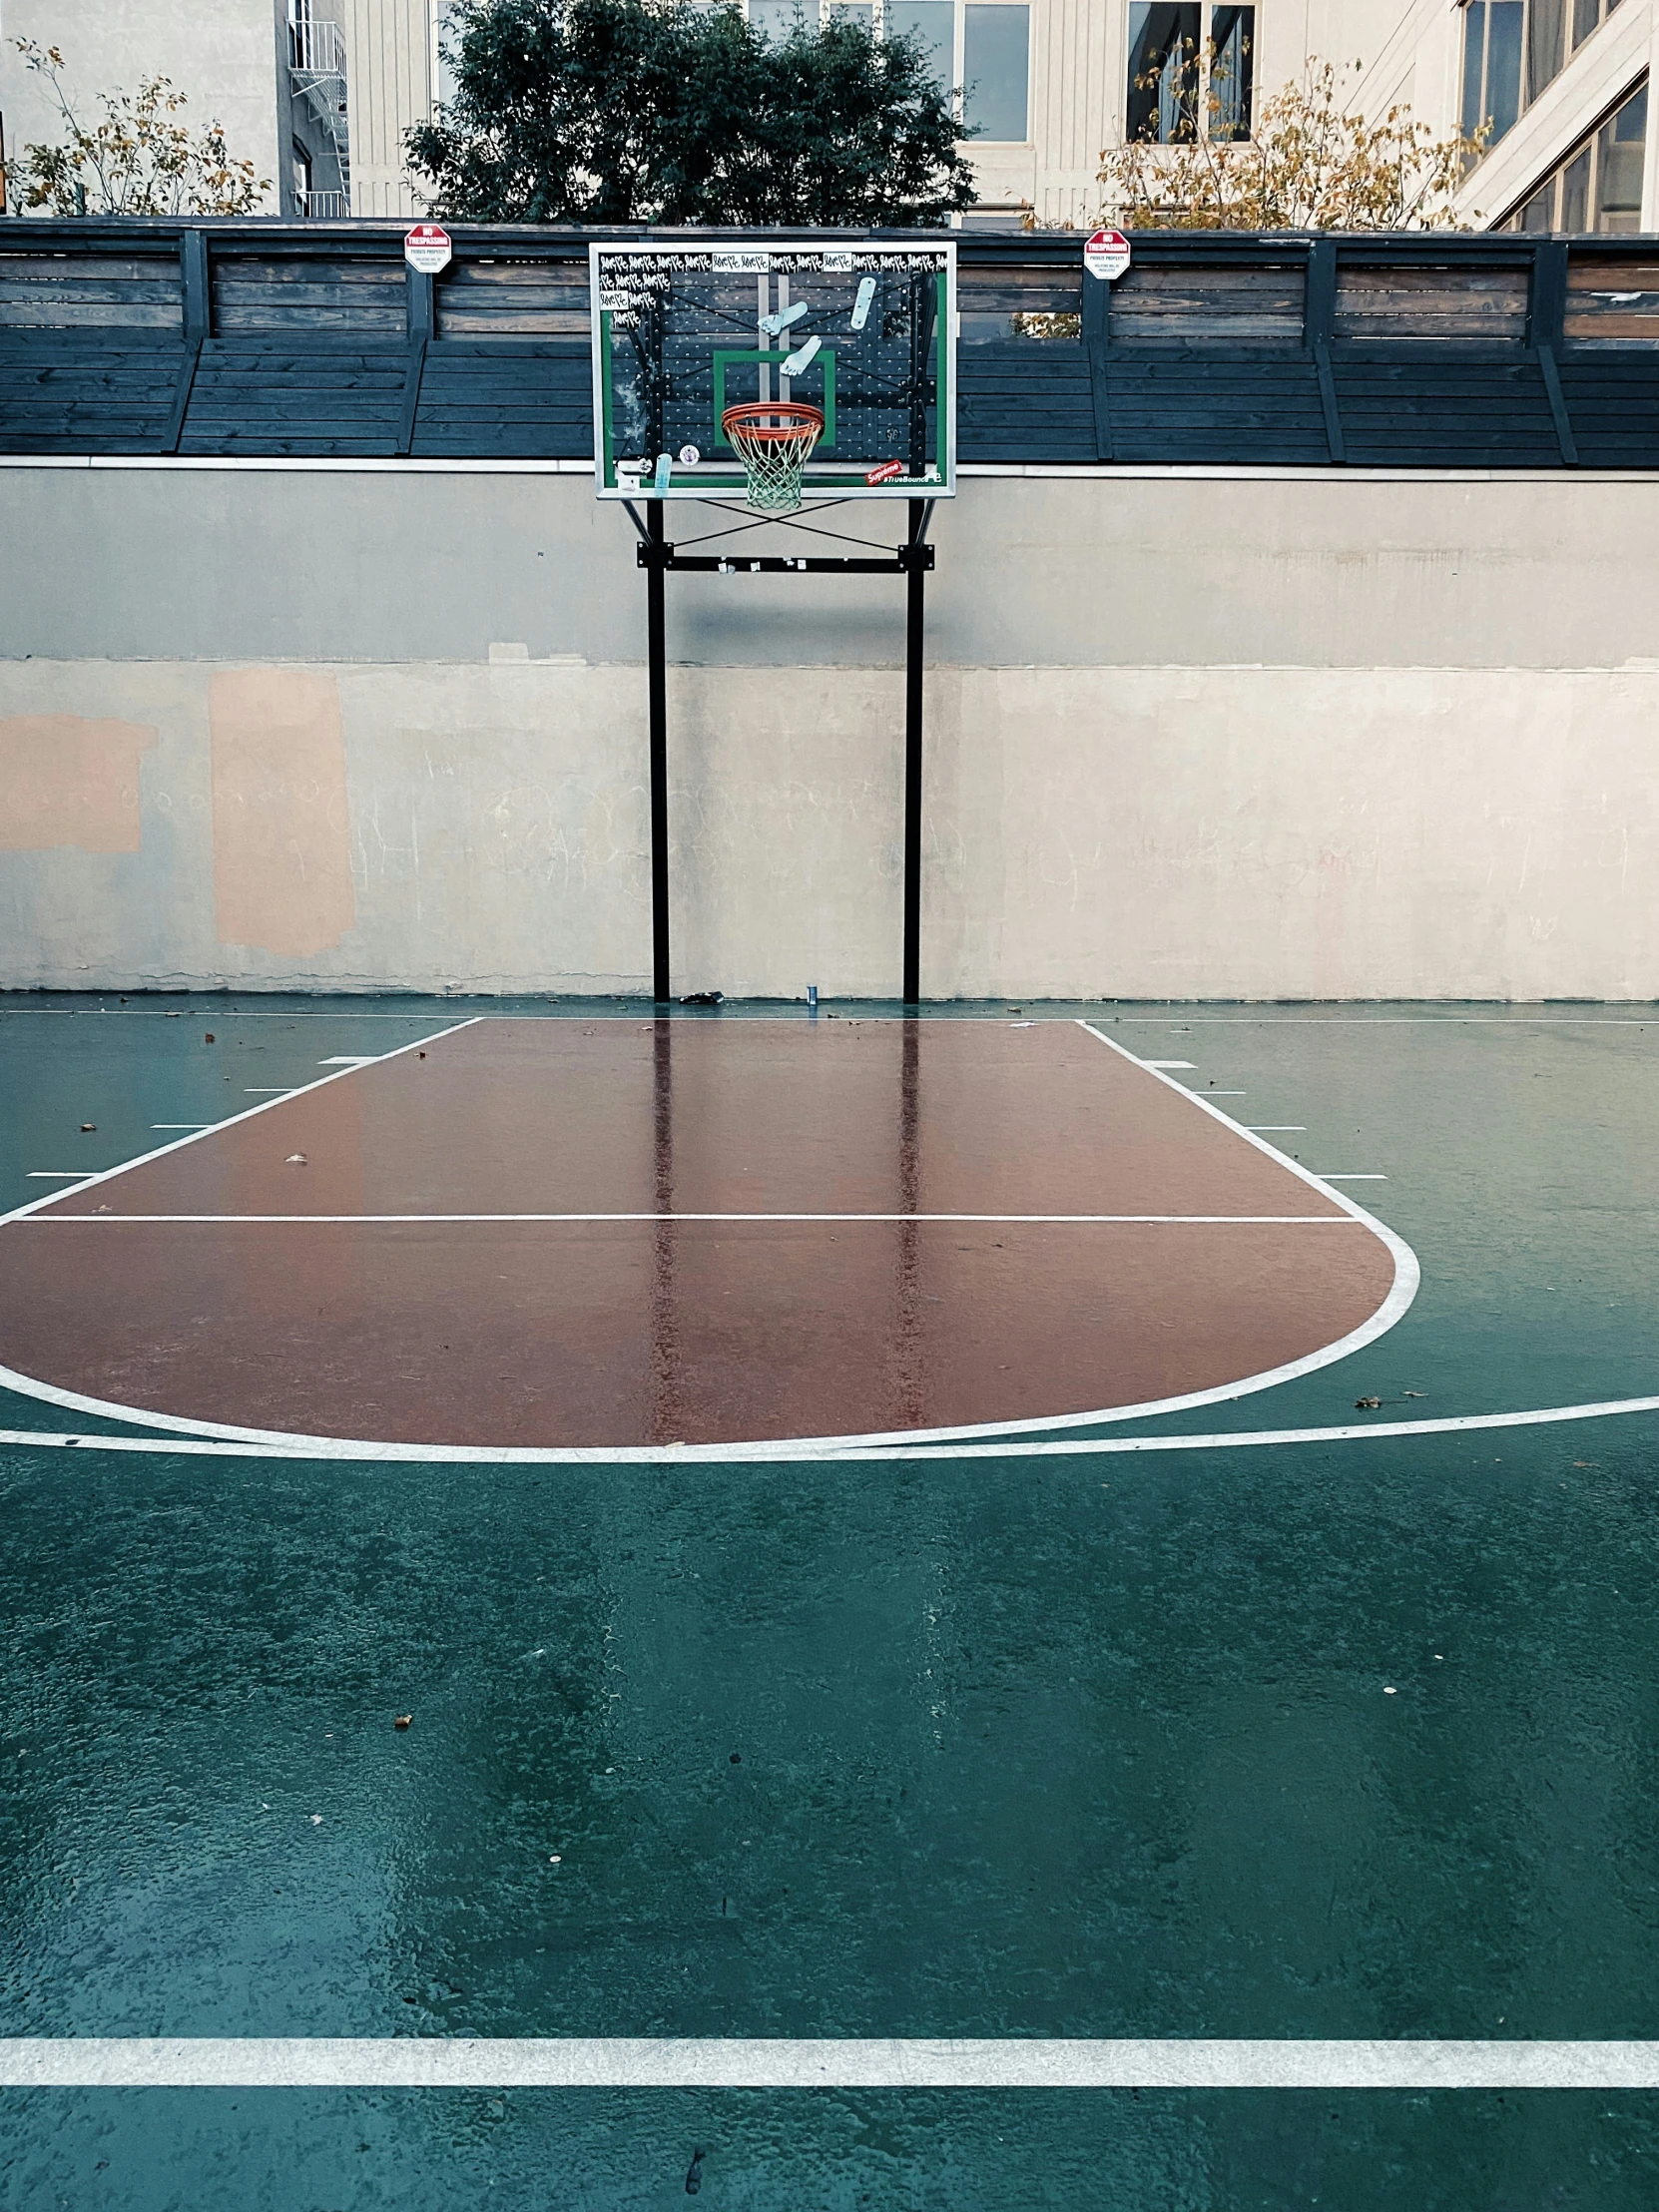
(774, 439)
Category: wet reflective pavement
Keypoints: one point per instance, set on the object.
(1099, 1746)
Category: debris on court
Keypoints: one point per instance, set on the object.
(702, 998)
(401, 1720)
(1367, 1405)
(206, 1036)
(295, 1160)
(88, 1126)
(693, 2172)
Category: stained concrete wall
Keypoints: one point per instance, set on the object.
(1188, 737)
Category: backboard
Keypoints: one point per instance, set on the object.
(865, 333)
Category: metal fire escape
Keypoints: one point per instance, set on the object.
(316, 78)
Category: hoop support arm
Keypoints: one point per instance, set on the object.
(653, 554)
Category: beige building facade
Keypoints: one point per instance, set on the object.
(320, 94)
(1560, 85)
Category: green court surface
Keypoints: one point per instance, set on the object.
(1338, 1739)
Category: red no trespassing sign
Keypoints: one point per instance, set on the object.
(427, 247)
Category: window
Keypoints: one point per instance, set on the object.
(1599, 185)
(1190, 63)
(934, 22)
(981, 47)
(302, 165)
(996, 70)
(1512, 49)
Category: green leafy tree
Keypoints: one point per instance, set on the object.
(137, 159)
(1311, 165)
(656, 111)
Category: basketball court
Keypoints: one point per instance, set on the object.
(848, 1811)
(765, 1234)
(823, 1606)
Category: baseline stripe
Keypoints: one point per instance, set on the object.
(603, 2062)
(826, 1454)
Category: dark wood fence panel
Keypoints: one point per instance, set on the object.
(1612, 302)
(525, 401)
(1019, 301)
(262, 398)
(356, 298)
(81, 292)
(1442, 351)
(1613, 401)
(1020, 402)
(513, 300)
(1224, 306)
(1259, 414)
(1423, 305)
(66, 396)
(1431, 413)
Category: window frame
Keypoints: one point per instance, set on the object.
(1201, 78)
(1570, 44)
(1587, 147)
(957, 90)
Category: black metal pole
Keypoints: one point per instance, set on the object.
(913, 632)
(657, 649)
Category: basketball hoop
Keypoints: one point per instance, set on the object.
(774, 440)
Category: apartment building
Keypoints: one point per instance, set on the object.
(316, 92)
(320, 93)
(1560, 86)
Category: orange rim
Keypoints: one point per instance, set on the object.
(772, 421)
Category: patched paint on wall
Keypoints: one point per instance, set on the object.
(65, 780)
(281, 821)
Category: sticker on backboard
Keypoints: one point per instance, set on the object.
(1106, 255)
(427, 248)
(887, 474)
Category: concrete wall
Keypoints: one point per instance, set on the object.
(1188, 737)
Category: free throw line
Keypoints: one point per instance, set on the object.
(1202, 1220)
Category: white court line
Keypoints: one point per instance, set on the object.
(1165, 1063)
(1278, 1128)
(288, 1444)
(204, 1129)
(831, 1451)
(995, 1221)
(1349, 1175)
(282, 1090)
(839, 2062)
(158, 1125)
(55, 1175)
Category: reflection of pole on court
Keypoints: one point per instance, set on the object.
(665, 1327)
(909, 1356)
